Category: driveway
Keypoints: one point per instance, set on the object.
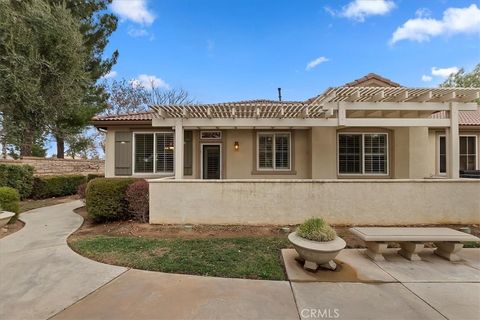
(41, 278)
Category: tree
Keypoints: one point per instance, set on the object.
(125, 97)
(464, 79)
(81, 145)
(96, 25)
(174, 96)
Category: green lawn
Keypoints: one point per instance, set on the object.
(245, 257)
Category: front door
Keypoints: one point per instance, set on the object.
(211, 161)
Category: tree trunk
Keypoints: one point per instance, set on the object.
(27, 142)
(60, 147)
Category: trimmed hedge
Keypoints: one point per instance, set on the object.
(92, 176)
(56, 186)
(105, 199)
(19, 177)
(9, 199)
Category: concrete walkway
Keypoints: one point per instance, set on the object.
(40, 276)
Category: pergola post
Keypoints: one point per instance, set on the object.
(179, 145)
(453, 142)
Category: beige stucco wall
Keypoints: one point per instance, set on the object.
(324, 152)
(410, 154)
(375, 202)
(110, 154)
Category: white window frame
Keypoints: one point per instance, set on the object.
(274, 133)
(387, 148)
(154, 154)
(476, 147)
(201, 157)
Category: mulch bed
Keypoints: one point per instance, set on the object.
(138, 229)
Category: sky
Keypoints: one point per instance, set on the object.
(245, 49)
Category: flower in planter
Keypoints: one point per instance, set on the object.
(316, 229)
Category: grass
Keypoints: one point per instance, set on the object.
(35, 204)
(242, 257)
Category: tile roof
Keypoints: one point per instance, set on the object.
(465, 118)
(137, 116)
(372, 76)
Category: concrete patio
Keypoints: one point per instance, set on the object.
(41, 278)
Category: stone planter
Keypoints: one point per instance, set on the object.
(5, 216)
(316, 253)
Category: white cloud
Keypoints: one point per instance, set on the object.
(444, 72)
(134, 32)
(150, 82)
(454, 20)
(360, 9)
(111, 74)
(312, 64)
(426, 78)
(134, 10)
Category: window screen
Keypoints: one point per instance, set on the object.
(265, 151)
(144, 152)
(165, 152)
(443, 154)
(282, 151)
(350, 153)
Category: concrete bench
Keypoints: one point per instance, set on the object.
(411, 240)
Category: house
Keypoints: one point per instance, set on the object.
(367, 131)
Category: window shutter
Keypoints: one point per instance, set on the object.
(123, 153)
(188, 153)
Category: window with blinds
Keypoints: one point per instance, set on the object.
(273, 151)
(363, 153)
(144, 152)
(164, 152)
(154, 152)
(468, 152)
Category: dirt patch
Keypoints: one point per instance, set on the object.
(138, 229)
(11, 228)
(31, 204)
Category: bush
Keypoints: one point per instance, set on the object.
(19, 177)
(9, 199)
(56, 186)
(105, 198)
(137, 199)
(316, 229)
(92, 176)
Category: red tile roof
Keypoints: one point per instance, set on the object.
(465, 118)
(137, 116)
(372, 76)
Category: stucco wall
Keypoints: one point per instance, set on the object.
(411, 153)
(54, 166)
(375, 202)
(324, 152)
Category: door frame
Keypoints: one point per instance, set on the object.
(219, 144)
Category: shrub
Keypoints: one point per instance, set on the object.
(105, 198)
(56, 186)
(137, 199)
(92, 176)
(316, 229)
(19, 177)
(9, 199)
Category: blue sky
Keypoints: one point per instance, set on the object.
(244, 49)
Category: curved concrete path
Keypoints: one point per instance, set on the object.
(39, 274)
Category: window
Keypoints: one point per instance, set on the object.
(363, 153)
(164, 152)
(153, 152)
(273, 151)
(468, 153)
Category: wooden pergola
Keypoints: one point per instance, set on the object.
(339, 107)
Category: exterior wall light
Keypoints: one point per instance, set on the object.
(236, 146)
